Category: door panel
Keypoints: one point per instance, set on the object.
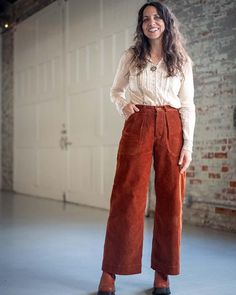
(97, 34)
(39, 109)
(66, 128)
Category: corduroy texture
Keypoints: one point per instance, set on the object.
(152, 132)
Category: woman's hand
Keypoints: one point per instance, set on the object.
(184, 160)
(129, 109)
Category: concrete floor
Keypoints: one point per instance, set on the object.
(48, 248)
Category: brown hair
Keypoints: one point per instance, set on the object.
(175, 54)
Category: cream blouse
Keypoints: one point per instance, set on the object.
(154, 88)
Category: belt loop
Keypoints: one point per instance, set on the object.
(158, 109)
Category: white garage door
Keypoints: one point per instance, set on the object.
(66, 129)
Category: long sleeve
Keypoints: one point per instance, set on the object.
(187, 110)
(120, 83)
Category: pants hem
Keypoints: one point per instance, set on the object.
(170, 270)
(128, 270)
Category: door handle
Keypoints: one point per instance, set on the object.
(64, 142)
(67, 142)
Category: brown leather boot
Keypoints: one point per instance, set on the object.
(161, 284)
(107, 284)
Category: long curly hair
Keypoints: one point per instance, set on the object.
(174, 53)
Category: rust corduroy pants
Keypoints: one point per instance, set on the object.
(152, 132)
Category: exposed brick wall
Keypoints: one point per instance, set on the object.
(209, 27)
(7, 111)
(0, 111)
(18, 12)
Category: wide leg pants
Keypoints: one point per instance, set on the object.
(153, 132)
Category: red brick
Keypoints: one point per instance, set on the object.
(219, 141)
(231, 191)
(224, 169)
(195, 181)
(190, 174)
(192, 168)
(221, 155)
(225, 211)
(205, 33)
(232, 184)
(214, 175)
(209, 156)
(204, 168)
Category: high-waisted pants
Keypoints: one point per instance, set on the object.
(152, 133)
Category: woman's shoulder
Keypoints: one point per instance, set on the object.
(186, 67)
(126, 59)
(127, 54)
(188, 62)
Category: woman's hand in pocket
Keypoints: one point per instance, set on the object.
(129, 109)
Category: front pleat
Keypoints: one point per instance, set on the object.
(142, 129)
(160, 127)
(174, 138)
(167, 125)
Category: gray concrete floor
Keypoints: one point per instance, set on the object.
(49, 248)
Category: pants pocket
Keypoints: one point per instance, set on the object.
(174, 133)
(131, 135)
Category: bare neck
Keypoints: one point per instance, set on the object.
(156, 48)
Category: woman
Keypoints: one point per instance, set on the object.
(157, 74)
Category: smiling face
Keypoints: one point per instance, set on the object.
(153, 26)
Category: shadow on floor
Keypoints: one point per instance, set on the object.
(144, 292)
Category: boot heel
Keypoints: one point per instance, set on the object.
(105, 293)
(160, 291)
